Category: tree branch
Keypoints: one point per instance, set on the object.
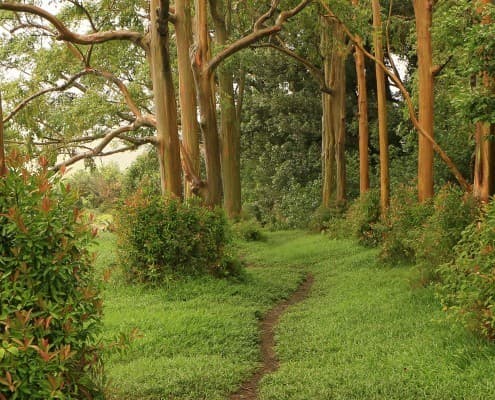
(98, 150)
(65, 34)
(71, 81)
(254, 36)
(312, 69)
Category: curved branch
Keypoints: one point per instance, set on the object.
(387, 39)
(312, 69)
(410, 105)
(254, 36)
(123, 88)
(101, 146)
(60, 88)
(86, 12)
(65, 34)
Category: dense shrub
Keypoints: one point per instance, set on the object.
(326, 219)
(363, 218)
(51, 308)
(467, 286)
(248, 230)
(453, 211)
(161, 239)
(403, 226)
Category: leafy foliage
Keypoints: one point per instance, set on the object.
(99, 188)
(249, 231)
(403, 225)
(453, 211)
(467, 287)
(363, 218)
(51, 308)
(162, 239)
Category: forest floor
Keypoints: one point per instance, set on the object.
(364, 331)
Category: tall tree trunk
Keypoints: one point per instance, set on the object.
(364, 178)
(164, 97)
(187, 93)
(334, 54)
(229, 124)
(423, 16)
(206, 103)
(484, 167)
(3, 169)
(382, 109)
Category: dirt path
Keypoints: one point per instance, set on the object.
(249, 389)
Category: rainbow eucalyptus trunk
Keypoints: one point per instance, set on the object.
(382, 109)
(484, 167)
(423, 16)
(229, 124)
(206, 103)
(187, 93)
(334, 52)
(359, 57)
(164, 97)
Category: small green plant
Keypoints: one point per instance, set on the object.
(51, 308)
(326, 218)
(363, 218)
(467, 286)
(160, 239)
(453, 211)
(403, 226)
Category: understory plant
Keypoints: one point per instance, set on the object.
(162, 239)
(453, 211)
(363, 217)
(403, 226)
(467, 285)
(50, 310)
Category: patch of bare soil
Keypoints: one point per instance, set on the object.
(249, 389)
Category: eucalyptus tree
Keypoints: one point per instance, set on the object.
(146, 106)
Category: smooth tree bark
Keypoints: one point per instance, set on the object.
(3, 169)
(230, 135)
(334, 52)
(382, 109)
(423, 17)
(362, 91)
(206, 102)
(484, 166)
(164, 97)
(187, 97)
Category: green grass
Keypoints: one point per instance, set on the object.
(199, 337)
(363, 333)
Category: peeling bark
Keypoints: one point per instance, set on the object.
(187, 93)
(164, 97)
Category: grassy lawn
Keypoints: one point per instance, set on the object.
(199, 337)
(364, 333)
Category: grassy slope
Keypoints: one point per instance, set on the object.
(365, 334)
(199, 337)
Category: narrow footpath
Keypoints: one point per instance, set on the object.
(268, 325)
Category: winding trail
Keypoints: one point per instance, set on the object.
(249, 389)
